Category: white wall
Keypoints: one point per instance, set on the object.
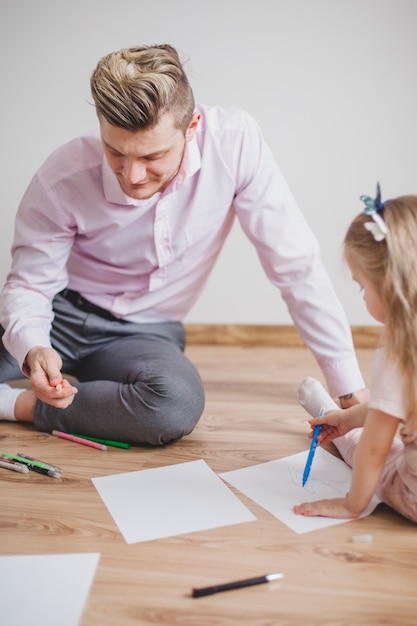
(332, 83)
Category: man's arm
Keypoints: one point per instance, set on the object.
(39, 255)
(290, 256)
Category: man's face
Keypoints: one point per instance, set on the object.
(145, 161)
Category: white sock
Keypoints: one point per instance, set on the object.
(313, 397)
(8, 396)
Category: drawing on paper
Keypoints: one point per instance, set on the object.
(318, 487)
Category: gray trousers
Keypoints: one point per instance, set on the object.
(135, 383)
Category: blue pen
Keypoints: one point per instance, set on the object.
(312, 452)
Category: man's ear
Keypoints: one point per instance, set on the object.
(192, 127)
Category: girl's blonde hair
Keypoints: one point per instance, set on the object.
(391, 267)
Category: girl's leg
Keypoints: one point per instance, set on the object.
(398, 483)
(313, 397)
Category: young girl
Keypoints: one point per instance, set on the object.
(380, 250)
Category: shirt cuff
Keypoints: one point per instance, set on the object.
(25, 342)
(343, 377)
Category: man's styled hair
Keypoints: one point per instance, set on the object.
(134, 87)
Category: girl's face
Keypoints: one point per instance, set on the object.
(371, 296)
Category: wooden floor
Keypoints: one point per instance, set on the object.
(251, 416)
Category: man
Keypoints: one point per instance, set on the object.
(115, 238)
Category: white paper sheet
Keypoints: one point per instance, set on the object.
(167, 501)
(277, 486)
(45, 590)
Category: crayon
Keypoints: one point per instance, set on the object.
(85, 442)
(107, 442)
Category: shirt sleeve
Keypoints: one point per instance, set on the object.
(40, 251)
(290, 256)
(386, 387)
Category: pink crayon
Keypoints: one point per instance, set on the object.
(84, 442)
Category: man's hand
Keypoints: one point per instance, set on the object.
(358, 397)
(46, 379)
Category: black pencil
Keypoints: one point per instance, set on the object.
(247, 582)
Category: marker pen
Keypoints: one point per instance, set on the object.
(30, 458)
(36, 466)
(14, 466)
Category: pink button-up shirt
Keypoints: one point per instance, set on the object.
(148, 260)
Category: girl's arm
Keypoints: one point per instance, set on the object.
(368, 461)
(369, 458)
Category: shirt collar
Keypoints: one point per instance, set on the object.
(191, 163)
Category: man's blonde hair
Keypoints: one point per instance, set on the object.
(134, 87)
(391, 267)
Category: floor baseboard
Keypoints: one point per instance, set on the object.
(266, 335)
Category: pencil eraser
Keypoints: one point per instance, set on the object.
(361, 538)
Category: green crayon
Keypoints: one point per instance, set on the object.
(108, 442)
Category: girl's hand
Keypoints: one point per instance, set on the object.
(338, 423)
(336, 507)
